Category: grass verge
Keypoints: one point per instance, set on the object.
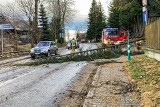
(145, 72)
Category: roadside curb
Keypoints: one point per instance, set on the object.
(94, 85)
(110, 87)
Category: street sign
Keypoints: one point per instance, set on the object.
(144, 14)
(6, 26)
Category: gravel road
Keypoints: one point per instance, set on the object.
(83, 47)
(36, 86)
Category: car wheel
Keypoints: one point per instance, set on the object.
(33, 57)
(49, 54)
(56, 52)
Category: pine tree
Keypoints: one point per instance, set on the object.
(101, 21)
(44, 23)
(124, 12)
(113, 20)
(92, 21)
(96, 21)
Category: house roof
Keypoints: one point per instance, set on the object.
(19, 25)
(14, 24)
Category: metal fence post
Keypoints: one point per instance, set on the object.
(129, 48)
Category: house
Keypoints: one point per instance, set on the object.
(12, 33)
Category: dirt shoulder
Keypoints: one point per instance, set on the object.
(101, 83)
(145, 72)
(76, 93)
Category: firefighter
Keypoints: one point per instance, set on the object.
(107, 42)
(73, 45)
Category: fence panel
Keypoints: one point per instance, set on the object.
(152, 32)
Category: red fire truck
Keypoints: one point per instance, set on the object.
(113, 36)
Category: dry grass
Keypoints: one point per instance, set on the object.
(145, 72)
(25, 47)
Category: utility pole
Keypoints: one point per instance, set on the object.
(2, 37)
(36, 19)
(1, 22)
(35, 26)
(59, 22)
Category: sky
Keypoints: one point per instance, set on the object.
(82, 7)
(80, 21)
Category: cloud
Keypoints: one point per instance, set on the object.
(81, 18)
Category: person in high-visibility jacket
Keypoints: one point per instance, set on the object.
(73, 45)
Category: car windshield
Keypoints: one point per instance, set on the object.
(41, 44)
(111, 33)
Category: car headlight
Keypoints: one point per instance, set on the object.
(32, 51)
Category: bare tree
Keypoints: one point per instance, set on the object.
(61, 11)
(27, 8)
(30, 9)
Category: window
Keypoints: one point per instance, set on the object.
(111, 33)
(52, 43)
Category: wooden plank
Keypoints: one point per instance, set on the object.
(152, 32)
(158, 35)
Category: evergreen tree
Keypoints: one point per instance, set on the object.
(44, 23)
(113, 19)
(127, 14)
(101, 21)
(96, 21)
(124, 12)
(92, 18)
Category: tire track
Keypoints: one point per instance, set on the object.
(14, 89)
(15, 73)
(9, 62)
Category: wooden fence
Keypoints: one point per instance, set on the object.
(13, 54)
(152, 35)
